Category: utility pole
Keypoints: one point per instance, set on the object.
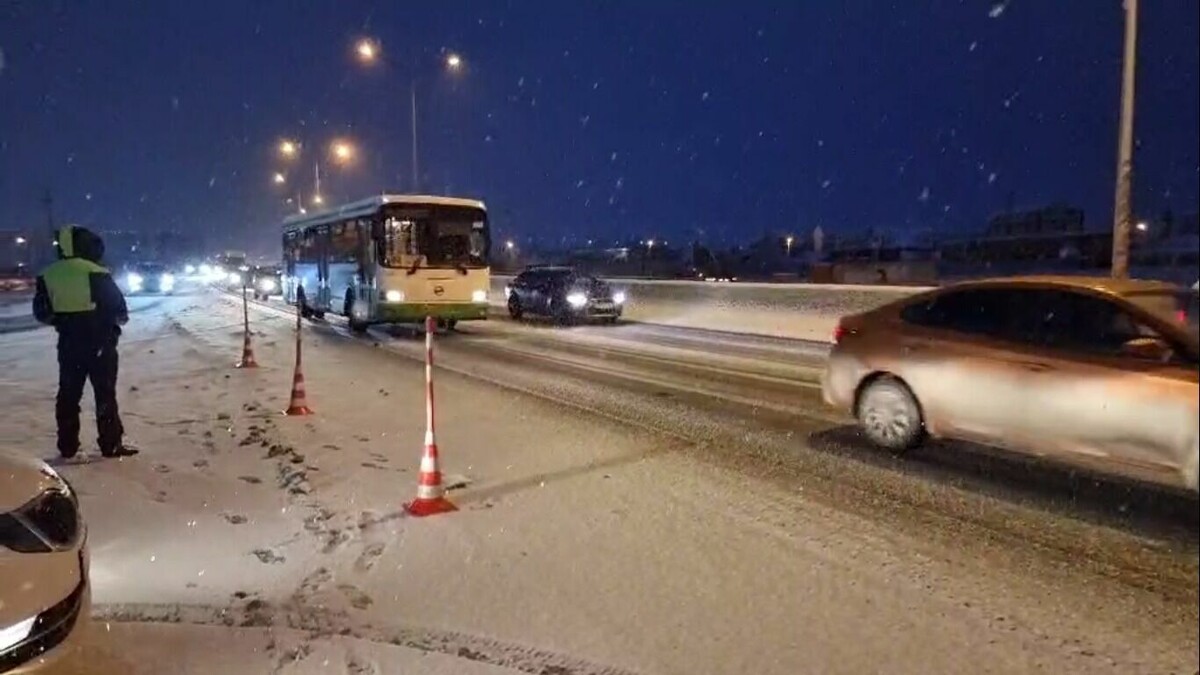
(1122, 208)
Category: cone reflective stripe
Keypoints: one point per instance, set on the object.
(431, 495)
(247, 350)
(298, 405)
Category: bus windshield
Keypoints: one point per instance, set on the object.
(433, 236)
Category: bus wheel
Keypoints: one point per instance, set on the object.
(358, 327)
(302, 303)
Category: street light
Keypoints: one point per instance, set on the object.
(288, 148)
(789, 241)
(279, 179)
(20, 241)
(342, 151)
(369, 53)
(367, 50)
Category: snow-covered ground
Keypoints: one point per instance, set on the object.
(244, 542)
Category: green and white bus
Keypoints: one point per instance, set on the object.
(390, 259)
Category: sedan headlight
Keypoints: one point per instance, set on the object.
(619, 298)
(48, 522)
(15, 634)
(167, 281)
(576, 299)
(394, 296)
(134, 281)
(479, 296)
(235, 278)
(266, 285)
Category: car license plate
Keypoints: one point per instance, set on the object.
(603, 307)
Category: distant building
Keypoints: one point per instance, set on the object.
(1047, 221)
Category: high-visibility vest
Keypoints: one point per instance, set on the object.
(68, 283)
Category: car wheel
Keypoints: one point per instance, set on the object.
(889, 414)
(514, 308)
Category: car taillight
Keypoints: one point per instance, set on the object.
(1181, 316)
(839, 332)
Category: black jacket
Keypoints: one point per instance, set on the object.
(108, 311)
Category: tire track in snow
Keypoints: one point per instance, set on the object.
(518, 657)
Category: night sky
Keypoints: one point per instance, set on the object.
(665, 118)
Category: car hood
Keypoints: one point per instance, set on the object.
(22, 479)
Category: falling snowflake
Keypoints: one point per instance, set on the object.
(71, 158)
(212, 181)
(973, 47)
(612, 157)
(998, 9)
(924, 196)
(579, 183)
(704, 96)
(991, 178)
(487, 138)
(595, 86)
(620, 182)
(946, 208)
(583, 121)
(521, 81)
(820, 142)
(826, 183)
(174, 103)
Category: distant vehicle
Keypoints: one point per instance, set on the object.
(390, 259)
(148, 278)
(564, 295)
(265, 281)
(1094, 371)
(44, 592)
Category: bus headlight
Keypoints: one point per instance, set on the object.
(576, 300)
(394, 296)
(134, 281)
(166, 281)
(479, 296)
(266, 285)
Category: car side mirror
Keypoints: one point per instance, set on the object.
(1147, 348)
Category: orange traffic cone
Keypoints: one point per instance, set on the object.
(431, 495)
(247, 350)
(247, 354)
(298, 405)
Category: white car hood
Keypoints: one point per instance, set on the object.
(22, 479)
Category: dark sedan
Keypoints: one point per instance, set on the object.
(148, 278)
(265, 281)
(562, 294)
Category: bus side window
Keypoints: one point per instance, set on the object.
(344, 243)
(291, 251)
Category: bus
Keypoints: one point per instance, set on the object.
(390, 259)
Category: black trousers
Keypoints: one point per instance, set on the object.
(82, 358)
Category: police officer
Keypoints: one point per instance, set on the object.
(80, 299)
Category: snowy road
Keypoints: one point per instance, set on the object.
(637, 499)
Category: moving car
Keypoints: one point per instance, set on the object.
(44, 591)
(148, 278)
(1094, 371)
(265, 281)
(562, 294)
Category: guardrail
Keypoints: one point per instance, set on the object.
(791, 310)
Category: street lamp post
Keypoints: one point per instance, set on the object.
(788, 241)
(1122, 208)
(369, 53)
(341, 151)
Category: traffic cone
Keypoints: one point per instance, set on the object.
(247, 350)
(298, 405)
(247, 354)
(431, 495)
